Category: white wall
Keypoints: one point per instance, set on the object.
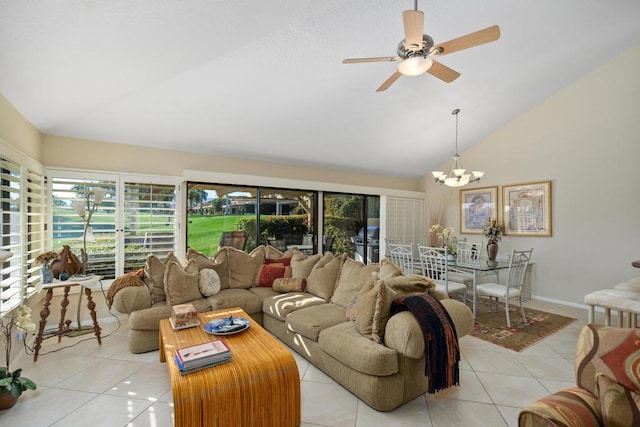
(586, 140)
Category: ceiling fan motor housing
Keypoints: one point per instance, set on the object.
(404, 52)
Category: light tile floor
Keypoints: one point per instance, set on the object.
(86, 384)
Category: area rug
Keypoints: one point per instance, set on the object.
(492, 327)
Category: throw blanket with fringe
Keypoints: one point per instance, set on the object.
(442, 352)
(134, 278)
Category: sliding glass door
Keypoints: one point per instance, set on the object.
(276, 216)
(352, 223)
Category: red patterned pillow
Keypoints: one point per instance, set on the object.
(269, 273)
(285, 261)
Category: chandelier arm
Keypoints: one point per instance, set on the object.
(456, 176)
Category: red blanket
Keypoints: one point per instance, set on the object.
(442, 352)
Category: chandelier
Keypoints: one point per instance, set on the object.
(456, 177)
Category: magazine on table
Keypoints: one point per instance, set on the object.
(197, 367)
(210, 351)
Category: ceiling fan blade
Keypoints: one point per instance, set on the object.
(375, 59)
(413, 29)
(443, 72)
(391, 80)
(486, 35)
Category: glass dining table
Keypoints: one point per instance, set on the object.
(475, 269)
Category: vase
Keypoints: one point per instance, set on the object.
(492, 251)
(7, 400)
(47, 274)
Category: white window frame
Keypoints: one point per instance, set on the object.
(120, 179)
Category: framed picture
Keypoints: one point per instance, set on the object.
(476, 207)
(526, 209)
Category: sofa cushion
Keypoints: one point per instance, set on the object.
(270, 272)
(208, 282)
(301, 265)
(244, 267)
(620, 406)
(271, 252)
(388, 269)
(324, 276)
(229, 298)
(310, 321)
(218, 262)
(285, 261)
(373, 308)
(361, 354)
(154, 275)
(280, 305)
(289, 284)
(181, 284)
(353, 275)
(263, 292)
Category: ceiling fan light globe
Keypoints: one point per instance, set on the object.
(415, 65)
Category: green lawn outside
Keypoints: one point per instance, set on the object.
(204, 231)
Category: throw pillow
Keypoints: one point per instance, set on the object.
(271, 252)
(620, 406)
(284, 261)
(270, 272)
(289, 284)
(373, 309)
(219, 262)
(154, 274)
(404, 285)
(388, 269)
(208, 282)
(244, 267)
(353, 275)
(301, 265)
(181, 284)
(324, 276)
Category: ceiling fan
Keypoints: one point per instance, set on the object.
(417, 50)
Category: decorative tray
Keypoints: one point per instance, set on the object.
(226, 326)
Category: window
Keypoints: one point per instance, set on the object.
(280, 214)
(21, 207)
(135, 217)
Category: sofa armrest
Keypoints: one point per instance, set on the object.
(569, 407)
(131, 298)
(404, 335)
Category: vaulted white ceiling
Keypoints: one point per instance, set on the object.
(264, 80)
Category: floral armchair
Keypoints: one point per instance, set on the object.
(608, 383)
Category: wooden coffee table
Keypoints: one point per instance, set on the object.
(260, 386)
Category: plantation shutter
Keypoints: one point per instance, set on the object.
(10, 204)
(405, 220)
(150, 222)
(36, 228)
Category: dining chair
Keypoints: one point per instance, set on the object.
(513, 288)
(469, 252)
(236, 239)
(435, 266)
(402, 256)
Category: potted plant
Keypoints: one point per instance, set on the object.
(12, 384)
(445, 238)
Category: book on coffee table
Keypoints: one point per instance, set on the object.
(202, 356)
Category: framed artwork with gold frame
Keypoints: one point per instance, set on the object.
(477, 206)
(526, 209)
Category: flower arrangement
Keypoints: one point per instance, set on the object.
(446, 237)
(12, 382)
(493, 230)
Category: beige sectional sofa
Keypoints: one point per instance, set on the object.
(335, 312)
